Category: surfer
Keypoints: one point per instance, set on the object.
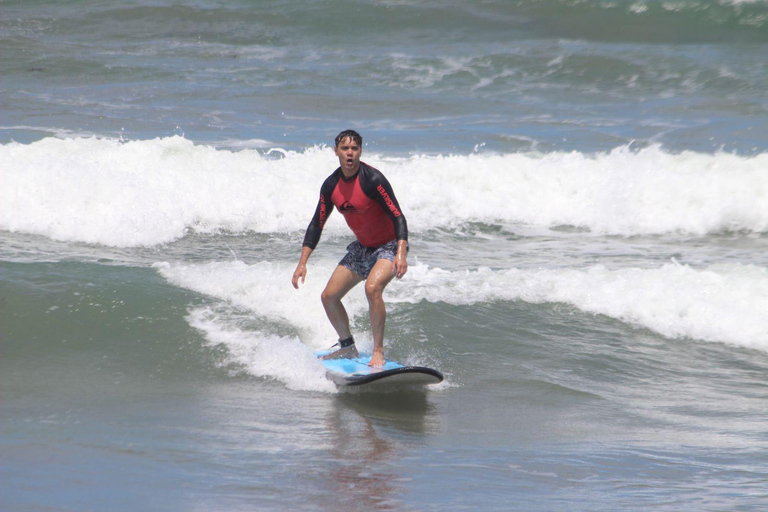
(364, 196)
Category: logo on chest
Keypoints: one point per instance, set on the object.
(347, 207)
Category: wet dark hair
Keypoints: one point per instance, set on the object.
(349, 134)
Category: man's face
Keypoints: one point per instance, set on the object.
(349, 153)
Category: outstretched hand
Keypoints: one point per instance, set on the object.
(400, 266)
(301, 268)
(299, 274)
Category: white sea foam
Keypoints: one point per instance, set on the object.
(151, 192)
(263, 354)
(144, 193)
(721, 303)
(265, 289)
(264, 292)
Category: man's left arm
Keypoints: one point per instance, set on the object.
(401, 262)
(376, 186)
(382, 192)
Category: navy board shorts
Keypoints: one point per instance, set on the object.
(361, 259)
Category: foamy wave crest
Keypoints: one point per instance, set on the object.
(152, 192)
(265, 289)
(259, 311)
(723, 303)
(620, 193)
(259, 316)
(262, 354)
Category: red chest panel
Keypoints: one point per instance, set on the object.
(364, 216)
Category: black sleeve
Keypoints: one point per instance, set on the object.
(322, 212)
(376, 186)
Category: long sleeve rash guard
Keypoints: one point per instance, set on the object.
(368, 204)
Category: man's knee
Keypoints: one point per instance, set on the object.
(326, 297)
(374, 290)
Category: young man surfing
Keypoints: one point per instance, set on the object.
(364, 196)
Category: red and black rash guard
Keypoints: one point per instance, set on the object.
(368, 204)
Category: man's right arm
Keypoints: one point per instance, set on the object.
(301, 268)
(323, 210)
(315, 228)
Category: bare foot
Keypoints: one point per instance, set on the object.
(349, 352)
(377, 360)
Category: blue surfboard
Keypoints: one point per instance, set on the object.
(356, 372)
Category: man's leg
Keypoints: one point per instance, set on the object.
(341, 282)
(378, 279)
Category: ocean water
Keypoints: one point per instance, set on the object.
(586, 187)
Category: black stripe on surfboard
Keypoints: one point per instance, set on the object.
(357, 380)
